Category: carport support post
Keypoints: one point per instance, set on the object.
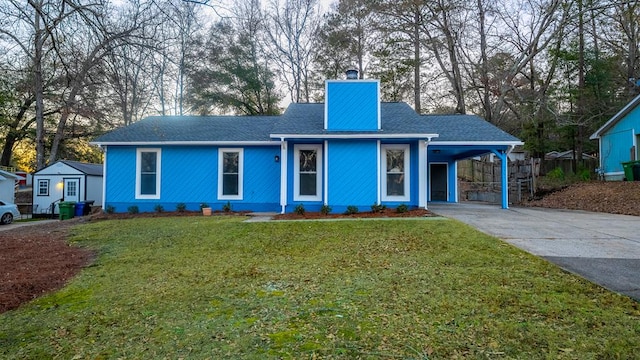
(504, 178)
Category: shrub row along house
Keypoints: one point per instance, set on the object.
(352, 150)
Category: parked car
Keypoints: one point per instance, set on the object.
(7, 212)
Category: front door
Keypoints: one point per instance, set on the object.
(72, 190)
(438, 181)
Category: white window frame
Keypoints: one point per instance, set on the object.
(407, 174)
(46, 187)
(240, 152)
(296, 172)
(139, 152)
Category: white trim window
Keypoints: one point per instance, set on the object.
(230, 173)
(307, 170)
(148, 173)
(43, 187)
(395, 172)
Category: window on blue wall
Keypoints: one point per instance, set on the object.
(308, 172)
(230, 174)
(148, 174)
(395, 172)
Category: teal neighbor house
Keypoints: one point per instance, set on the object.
(618, 140)
(353, 150)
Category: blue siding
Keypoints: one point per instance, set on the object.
(616, 143)
(262, 176)
(189, 175)
(352, 174)
(120, 176)
(616, 148)
(352, 105)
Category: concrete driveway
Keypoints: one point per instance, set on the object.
(15, 225)
(603, 248)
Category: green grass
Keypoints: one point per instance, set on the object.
(210, 288)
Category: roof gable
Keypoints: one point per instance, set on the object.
(6, 174)
(71, 167)
(616, 118)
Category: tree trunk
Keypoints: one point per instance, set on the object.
(486, 102)
(416, 60)
(39, 86)
(581, 90)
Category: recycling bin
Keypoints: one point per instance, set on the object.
(79, 208)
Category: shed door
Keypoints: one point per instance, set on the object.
(438, 181)
(72, 190)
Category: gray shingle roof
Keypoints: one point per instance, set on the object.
(193, 129)
(301, 119)
(465, 128)
(87, 168)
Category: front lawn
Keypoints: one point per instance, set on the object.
(200, 287)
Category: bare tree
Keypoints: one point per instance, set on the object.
(291, 28)
(404, 21)
(99, 36)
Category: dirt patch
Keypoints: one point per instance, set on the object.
(616, 197)
(36, 259)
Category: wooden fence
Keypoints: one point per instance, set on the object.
(480, 180)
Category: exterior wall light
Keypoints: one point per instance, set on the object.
(277, 158)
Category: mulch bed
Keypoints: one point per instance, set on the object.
(386, 213)
(36, 259)
(614, 197)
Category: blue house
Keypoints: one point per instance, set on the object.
(352, 150)
(618, 140)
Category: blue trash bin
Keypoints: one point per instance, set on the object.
(79, 208)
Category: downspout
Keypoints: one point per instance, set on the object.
(326, 172)
(378, 170)
(283, 175)
(423, 163)
(104, 178)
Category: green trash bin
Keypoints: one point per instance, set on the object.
(628, 169)
(67, 209)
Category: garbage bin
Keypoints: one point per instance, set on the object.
(79, 208)
(87, 207)
(66, 209)
(628, 170)
(636, 171)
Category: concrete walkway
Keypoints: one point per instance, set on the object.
(603, 248)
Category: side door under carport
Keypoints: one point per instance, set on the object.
(438, 182)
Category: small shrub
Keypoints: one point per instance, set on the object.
(110, 209)
(584, 174)
(325, 210)
(226, 207)
(133, 209)
(378, 208)
(181, 207)
(158, 208)
(299, 209)
(351, 209)
(556, 173)
(203, 205)
(402, 208)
